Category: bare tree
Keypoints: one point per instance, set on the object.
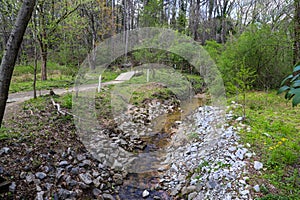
(297, 31)
(11, 52)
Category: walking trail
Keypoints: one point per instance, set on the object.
(15, 99)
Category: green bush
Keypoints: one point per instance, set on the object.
(261, 49)
(291, 85)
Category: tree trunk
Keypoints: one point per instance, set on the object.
(11, 52)
(34, 71)
(297, 32)
(44, 55)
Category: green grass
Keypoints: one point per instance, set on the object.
(274, 136)
(6, 133)
(58, 77)
(179, 84)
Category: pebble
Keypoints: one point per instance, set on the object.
(256, 188)
(108, 197)
(189, 189)
(244, 192)
(96, 192)
(258, 165)
(192, 196)
(63, 163)
(64, 194)
(12, 187)
(86, 178)
(29, 178)
(40, 195)
(118, 179)
(23, 175)
(40, 175)
(145, 194)
(75, 171)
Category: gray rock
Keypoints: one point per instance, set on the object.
(59, 173)
(256, 188)
(1, 170)
(23, 175)
(38, 188)
(95, 173)
(4, 150)
(244, 192)
(12, 187)
(189, 189)
(258, 165)
(75, 171)
(63, 163)
(174, 191)
(40, 175)
(48, 186)
(117, 165)
(83, 185)
(211, 184)
(156, 198)
(80, 157)
(240, 153)
(39, 195)
(174, 167)
(85, 163)
(29, 178)
(145, 194)
(192, 196)
(108, 197)
(86, 178)
(64, 194)
(71, 182)
(118, 179)
(96, 182)
(231, 149)
(96, 192)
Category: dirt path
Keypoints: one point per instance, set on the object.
(15, 99)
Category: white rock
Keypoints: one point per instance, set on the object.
(244, 192)
(266, 134)
(248, 155)
(258, 165)
(174, 167)
(243, 182)
(145, 194)
(239, 119)
(256, 188)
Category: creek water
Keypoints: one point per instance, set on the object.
(153, 155)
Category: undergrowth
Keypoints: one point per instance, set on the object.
(274, 136)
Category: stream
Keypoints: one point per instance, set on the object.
(150, 162)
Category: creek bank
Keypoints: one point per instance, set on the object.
(199, 158)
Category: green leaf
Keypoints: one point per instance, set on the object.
(295, 77)
(284, 80)
(296, 99)
(290, 94)
(297, 68)
(282, 89)
(296, 84)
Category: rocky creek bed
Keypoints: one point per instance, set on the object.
(196, 156)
